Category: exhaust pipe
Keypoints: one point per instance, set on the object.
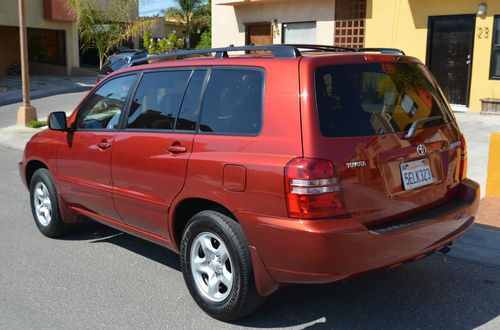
(445, 249)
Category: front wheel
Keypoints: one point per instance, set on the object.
(45, 206)
(217, 266)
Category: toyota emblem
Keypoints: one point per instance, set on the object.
(422, 150)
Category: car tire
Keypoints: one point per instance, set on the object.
(45, 205)
(217, 266)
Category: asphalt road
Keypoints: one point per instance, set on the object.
(97, 277)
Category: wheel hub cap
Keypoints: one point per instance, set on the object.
(42, 204)
(211, 267)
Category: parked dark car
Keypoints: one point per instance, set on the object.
(262, 170)
(120, 60)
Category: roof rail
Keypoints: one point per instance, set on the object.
(393, 51)
(279, 51)
(325, 48)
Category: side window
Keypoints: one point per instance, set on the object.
(233, 102)
(190, 107)
(102, 109)
(157, 100)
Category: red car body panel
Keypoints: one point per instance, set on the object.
(137, 184)
(147, 181)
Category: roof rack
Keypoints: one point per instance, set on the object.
(278, 51)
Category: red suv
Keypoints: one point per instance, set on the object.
(284, 165)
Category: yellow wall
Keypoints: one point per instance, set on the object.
(403, 24)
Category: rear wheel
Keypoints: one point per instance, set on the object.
(45, 206)
(217, 267)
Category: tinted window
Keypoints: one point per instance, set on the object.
(102, 109)
(157, 100)
(233, 102)
(378, 98)
(190, 107)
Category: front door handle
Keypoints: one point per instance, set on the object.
(104, 145)
(176, 149)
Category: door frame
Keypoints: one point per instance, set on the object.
(430, 31)
(247, 34)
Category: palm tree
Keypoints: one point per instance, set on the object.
(106, 28)
(191, 14)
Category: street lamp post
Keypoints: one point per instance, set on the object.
(26, 112)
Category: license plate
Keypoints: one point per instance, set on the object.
(416, 174)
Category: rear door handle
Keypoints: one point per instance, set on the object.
(176, 149)
(104, 145)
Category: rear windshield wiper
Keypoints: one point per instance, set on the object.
(419, 122)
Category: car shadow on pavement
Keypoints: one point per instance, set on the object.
(437, 292)
(98, 233)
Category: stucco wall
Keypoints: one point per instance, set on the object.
(228, 22)
(403, 24)
(34, 18)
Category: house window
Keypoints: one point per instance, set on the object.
(350, 17)
(299, 33)
(495, 50)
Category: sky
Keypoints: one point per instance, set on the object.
(153, 7)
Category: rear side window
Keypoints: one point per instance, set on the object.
(376, 98)
(233, 102)
(157, 100)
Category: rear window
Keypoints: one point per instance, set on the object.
(376, 98)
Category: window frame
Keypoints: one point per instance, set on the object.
(283, 31)
(496, 23)
(262, 72)
(123, 123)
(126, 104)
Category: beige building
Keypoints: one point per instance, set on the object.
(163, 27)
(242, 22)
(52, 37)
(52, 34)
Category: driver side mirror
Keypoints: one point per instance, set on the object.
(57, 121)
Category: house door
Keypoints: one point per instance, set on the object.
(259, 34)
(449, 55)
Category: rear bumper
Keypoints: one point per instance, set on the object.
(322, 251)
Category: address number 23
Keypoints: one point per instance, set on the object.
(483, 33)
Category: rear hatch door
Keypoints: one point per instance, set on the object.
(388, 130)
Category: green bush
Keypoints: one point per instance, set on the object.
(161, 46)
(205, 40)
(36, 124)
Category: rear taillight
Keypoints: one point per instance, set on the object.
(312, 189)
(463, 159)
